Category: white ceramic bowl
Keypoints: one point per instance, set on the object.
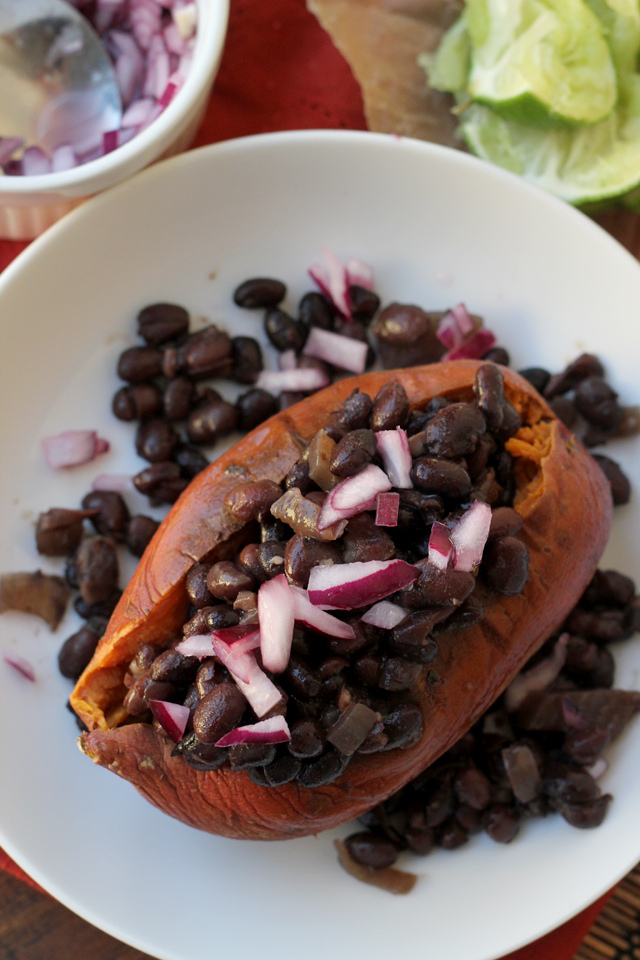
(438, 227)
(28, 205)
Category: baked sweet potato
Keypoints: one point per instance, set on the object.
(566, 507)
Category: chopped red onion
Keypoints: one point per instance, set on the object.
(129, 65)
(304, 381)
(250, 642)
(387, 507)
(440, 546)
(469, 536)
(158, 68)
(8, 146)
(271, 730)
(198, 645)
(598, 768)
(333, 281)
(20, 664)
(360, 273)
(343, 352)
(172, 717)
(276, 603)
(385, 615)
(146, 20)
(474, 348)
(118, 482)
(393, 447)
(538, 678)
(137, 112)
(353, 496)
(35, 162)
(454, 327)
(62, 158)
(287, 360)
(73, 448)
(316, 619)
(185, 19)
(347, 586)
(261, 693)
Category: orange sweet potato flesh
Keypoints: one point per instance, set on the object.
(565, 503)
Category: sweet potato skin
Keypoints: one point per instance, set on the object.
(566, 507)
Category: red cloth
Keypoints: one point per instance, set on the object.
(280, 71)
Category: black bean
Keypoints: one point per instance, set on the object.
(437, 588)
(218, 712)
(415, 629)
(585, 816)
(254, 407)
(598, 403)
(498, 355)
(173, 667)
(247, 359)
(212, 420)
(196, 586)
(282, 770)
(137, 402)
(76, 652)
(502, 823)
(324, 770)
(178, 398)
(586, 365)
(303, 553)
(315, 310)
(205, 353)
(441, 476)
(363, 540)
(565, 410)
(390, 407)
(113, 516)
(308, 739)
(96, 569)
(353, 452)
(273, 529)
(610, 588)
(456, 430)
(156, 440)
(140, 530)
(406, 336)
(354, 413)
(200, 756)
(160, 322)
(138, 364)
(403, 726)
(259, 292)
(364, 303)
(505, 522)
(303, 681)
(366, 669)
(101, 608)
(451, 835)
(506, 565)
(538, 377)
(283, 331)
(144, 689)
(398, 674)
(225, 580)
(161, 482)
(489, 390)
(620, 486)
(473, 788)
(373, 850)
(245, 755)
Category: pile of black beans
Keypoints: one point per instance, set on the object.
(459, 456)
(532, 761)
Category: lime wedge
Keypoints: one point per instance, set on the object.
(448, 68)
(580, 164)
(540, 62)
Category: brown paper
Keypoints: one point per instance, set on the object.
(381, 40)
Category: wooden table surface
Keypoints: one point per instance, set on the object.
(33, 926)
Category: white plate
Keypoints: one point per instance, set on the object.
(438, 227)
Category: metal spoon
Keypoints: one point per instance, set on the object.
(57, 83)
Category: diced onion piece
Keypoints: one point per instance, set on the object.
(304, 380)
(261, 693)
(353, 496)
(129, 66)
(347, 586)
(118, 482)
(440, 546)
(172, 717)
(73, 448)
(287, 360)
(146, 18)
(62, 158)
(185, 19)
(454, 327)
(598, 768)
(359, 273)
(315, 618)
(385, 615)
(352, 727)
(393, 447)
(522, 770)
(333, 281)
(478, 344)
(245, 644)
(387, 507)
(271, 730)
(276, 603)
(199, 645)
(538, 678)
(137, 112)
(20, 664)
(35, 162)
(469, 536)
(343, 352)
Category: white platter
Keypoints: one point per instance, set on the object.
(438, 227)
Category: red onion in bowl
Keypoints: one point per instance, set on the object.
(385, 615)
(387, 508)
(271, 730)
(347, 586)
(340, 351)
(172, 717)
(20, 664)
(73, 448)
(276, 603)
(393, 447)
(469, 536)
